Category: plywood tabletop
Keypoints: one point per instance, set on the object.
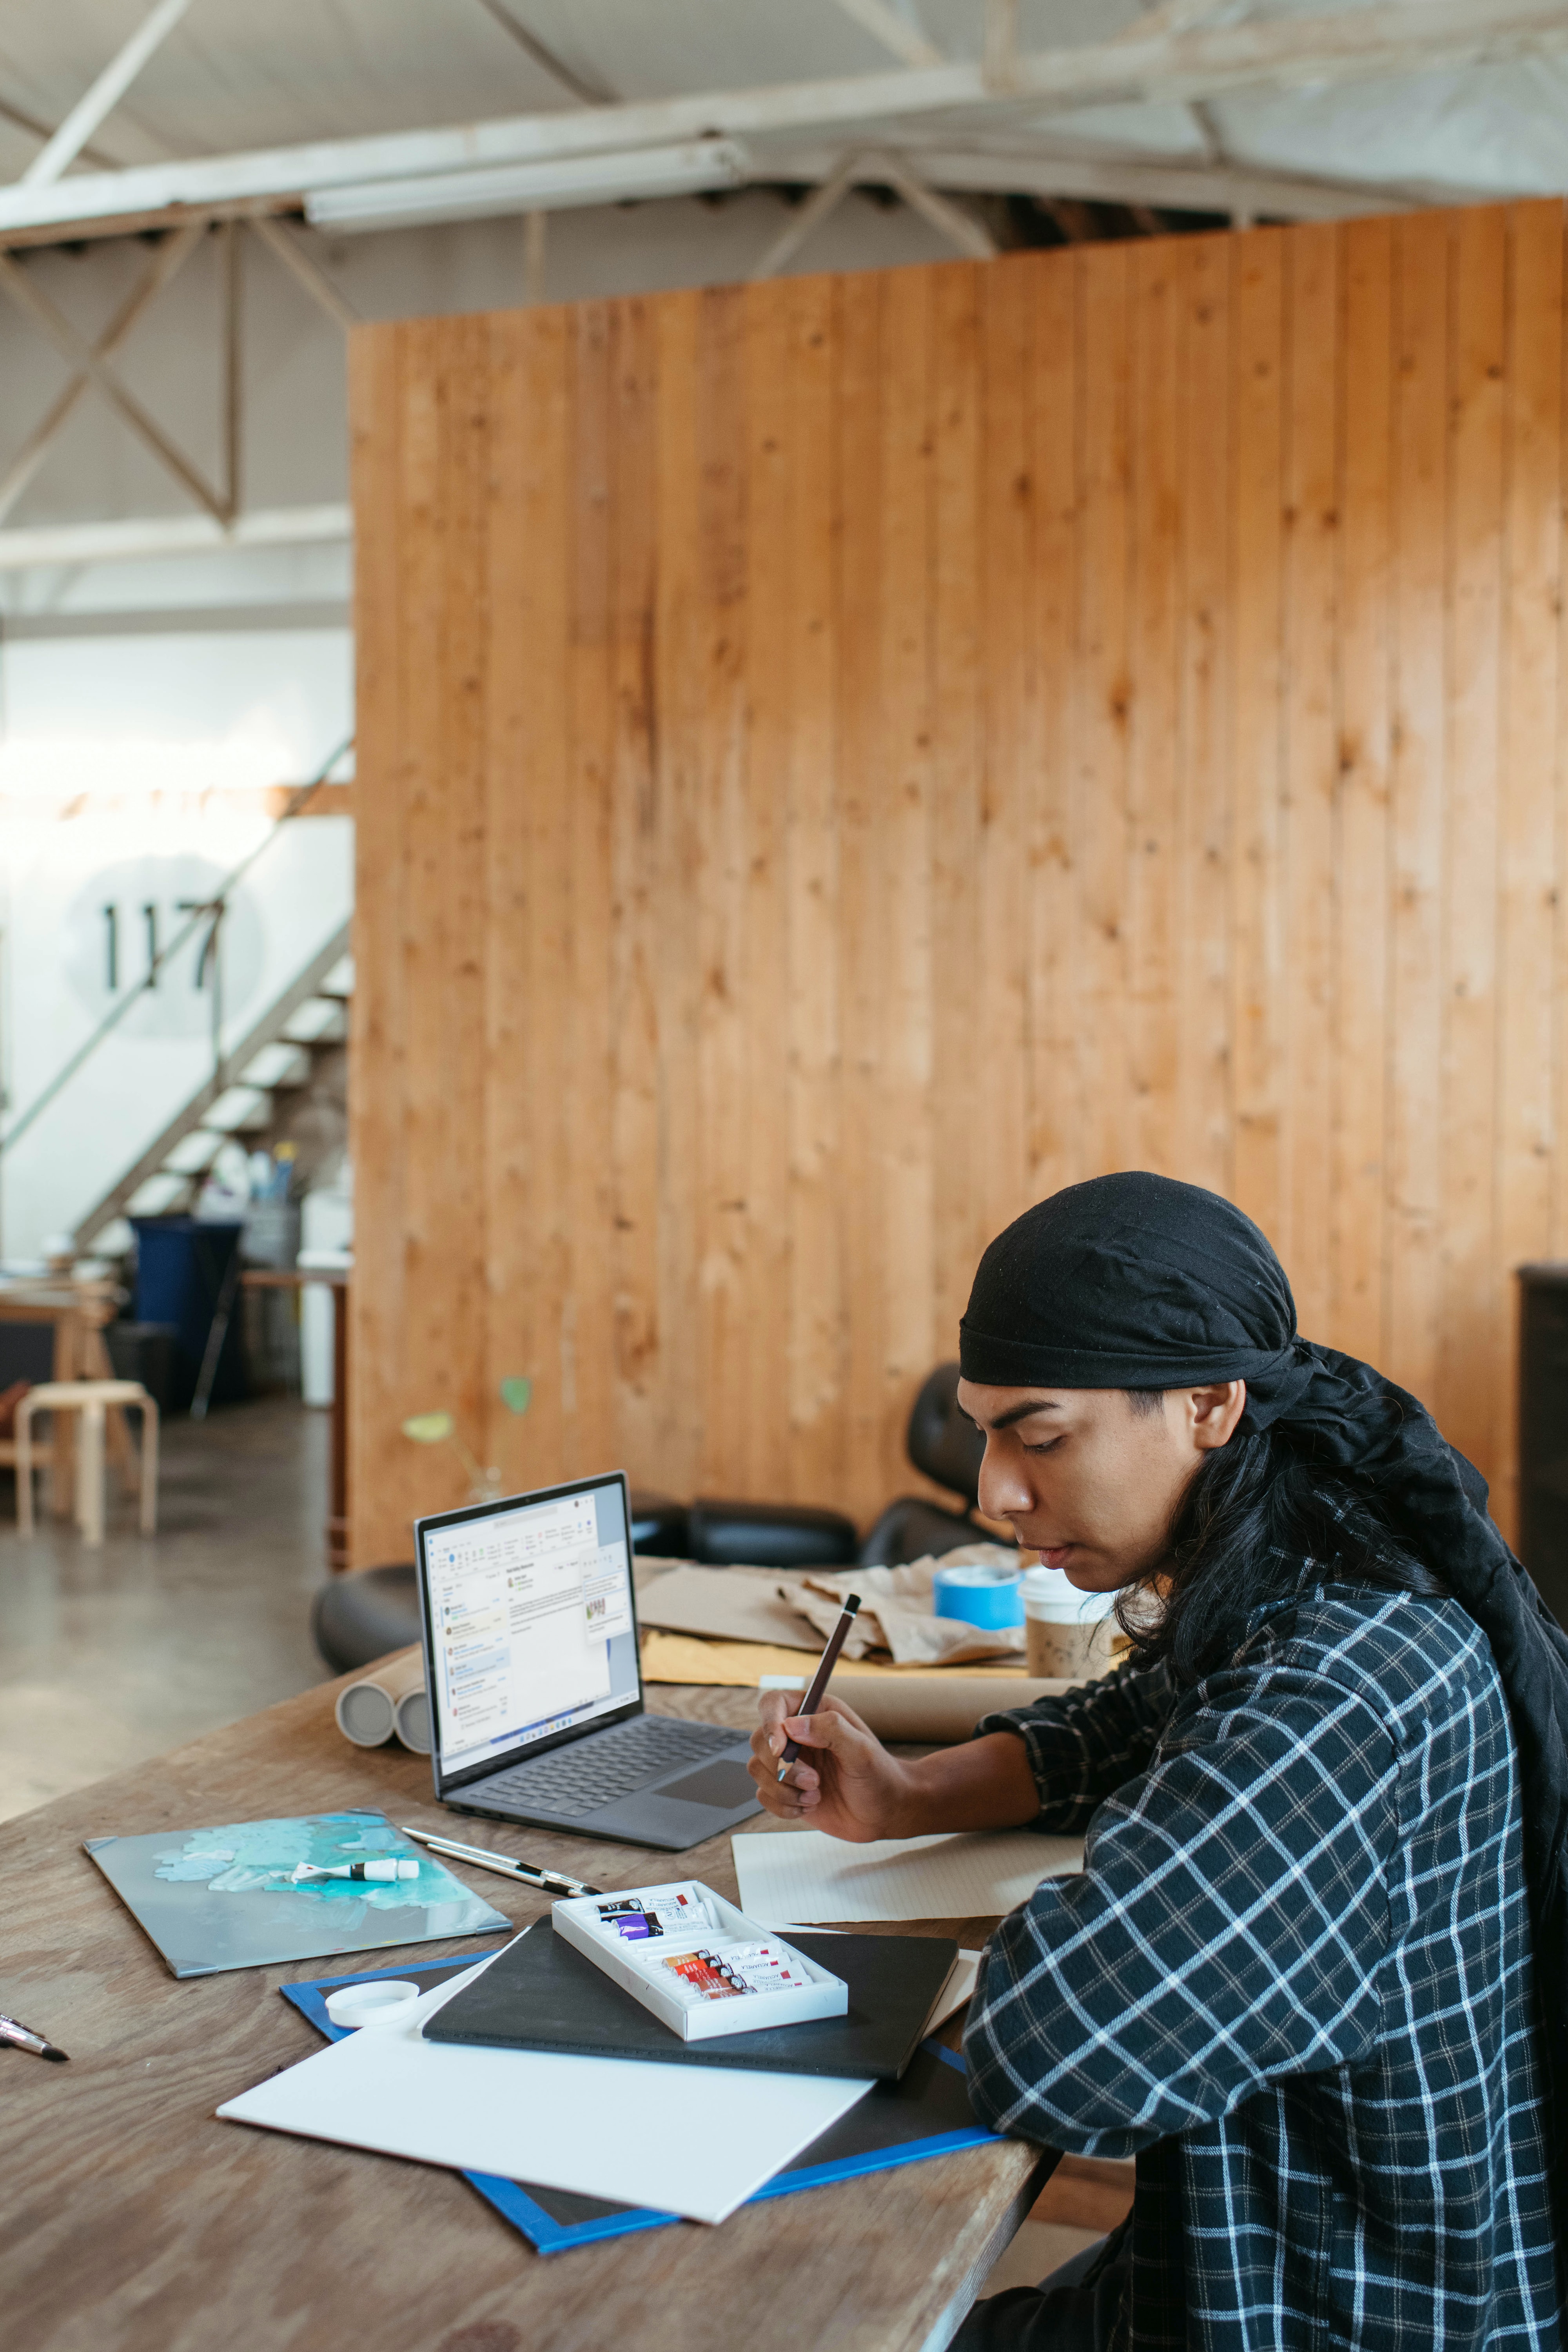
(133, 2221)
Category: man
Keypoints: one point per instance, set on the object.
(1312, 1973)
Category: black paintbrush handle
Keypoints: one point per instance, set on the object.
(825, 1664)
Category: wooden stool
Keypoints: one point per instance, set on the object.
(90, 1399)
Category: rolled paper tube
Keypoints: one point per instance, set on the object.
(368, 1710)
(414, 1720)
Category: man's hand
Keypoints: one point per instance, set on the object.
(843, 1782)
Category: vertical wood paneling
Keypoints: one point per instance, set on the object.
(636, 902)
(1054, 1074)
(861, 688)
(978, 600)
(1358, 1238)
(843, 758)
(1103, 698)
(1153, 1013)
(728, 1046)
(1204, 1104)
(818, 1317)
(679, 686)
(904, 769)
(1258, 1025)
(1527, 902)
(1470, 1369)
(586, 995)
(378, 1349)
(1310, 635)
(1418, 788)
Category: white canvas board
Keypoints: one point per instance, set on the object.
(800, 1877)
(694, 2140)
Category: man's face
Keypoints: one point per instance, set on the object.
(1088, 1481)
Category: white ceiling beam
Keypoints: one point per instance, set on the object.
(171, 256)
(148, 536)
(301, 266)
(897, 35)
(81, 355)
(1400, 37)
(104, 96)
(1177, 187)
(960, 228)
(1000, 58)
(876, 167)
(803, 223)
(1171, 17)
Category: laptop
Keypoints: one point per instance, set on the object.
(530, 1626)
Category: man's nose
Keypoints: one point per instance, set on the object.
(1004, 1489)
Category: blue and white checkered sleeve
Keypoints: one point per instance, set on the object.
(1226, 1931)
(1089, 1742)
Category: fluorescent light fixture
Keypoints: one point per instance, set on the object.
(530, 187)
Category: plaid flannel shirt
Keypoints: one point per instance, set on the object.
(1295, 1980)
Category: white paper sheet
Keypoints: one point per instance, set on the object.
(801, 1877)
(695, 2140)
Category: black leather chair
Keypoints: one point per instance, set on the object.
(768, 1535)
(941, 1441)
(358, 1618)
(945, 1445)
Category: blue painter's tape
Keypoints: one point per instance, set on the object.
(990, 1602)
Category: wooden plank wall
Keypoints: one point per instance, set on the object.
(843, 757)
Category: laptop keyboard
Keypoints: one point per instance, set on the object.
(594, 1772)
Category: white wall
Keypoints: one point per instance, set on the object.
(142, 704)
(131, 771)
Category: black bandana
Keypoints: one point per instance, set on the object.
(1136, 1282)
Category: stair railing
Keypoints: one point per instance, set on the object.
(210, 911)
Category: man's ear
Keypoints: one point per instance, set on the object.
(1214, 1412)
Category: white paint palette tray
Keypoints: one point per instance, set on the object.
(699, 1965)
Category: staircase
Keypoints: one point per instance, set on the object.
(238, 1102)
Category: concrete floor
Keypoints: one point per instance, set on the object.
(109, 1657)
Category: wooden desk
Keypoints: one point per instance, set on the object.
(134, 2222)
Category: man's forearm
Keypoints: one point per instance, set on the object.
(982, 1784)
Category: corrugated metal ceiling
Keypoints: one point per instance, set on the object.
(236, 75)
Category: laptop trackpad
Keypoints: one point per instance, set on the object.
(726, 1784)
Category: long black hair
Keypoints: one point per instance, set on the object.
(1255, 1524)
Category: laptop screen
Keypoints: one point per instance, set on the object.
(530, 1619)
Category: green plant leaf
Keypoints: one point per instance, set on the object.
(428, 1428)
(516, 1394)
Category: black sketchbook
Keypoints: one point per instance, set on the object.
(540, 1994)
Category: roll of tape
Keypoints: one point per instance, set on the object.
(379, 2002)
(979, 1597)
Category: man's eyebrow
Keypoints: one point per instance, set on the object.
(1019, 1412)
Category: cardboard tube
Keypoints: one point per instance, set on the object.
(414, 1720)
(942, 1708)
(368, 1710)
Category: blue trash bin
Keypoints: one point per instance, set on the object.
(183, 1268)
